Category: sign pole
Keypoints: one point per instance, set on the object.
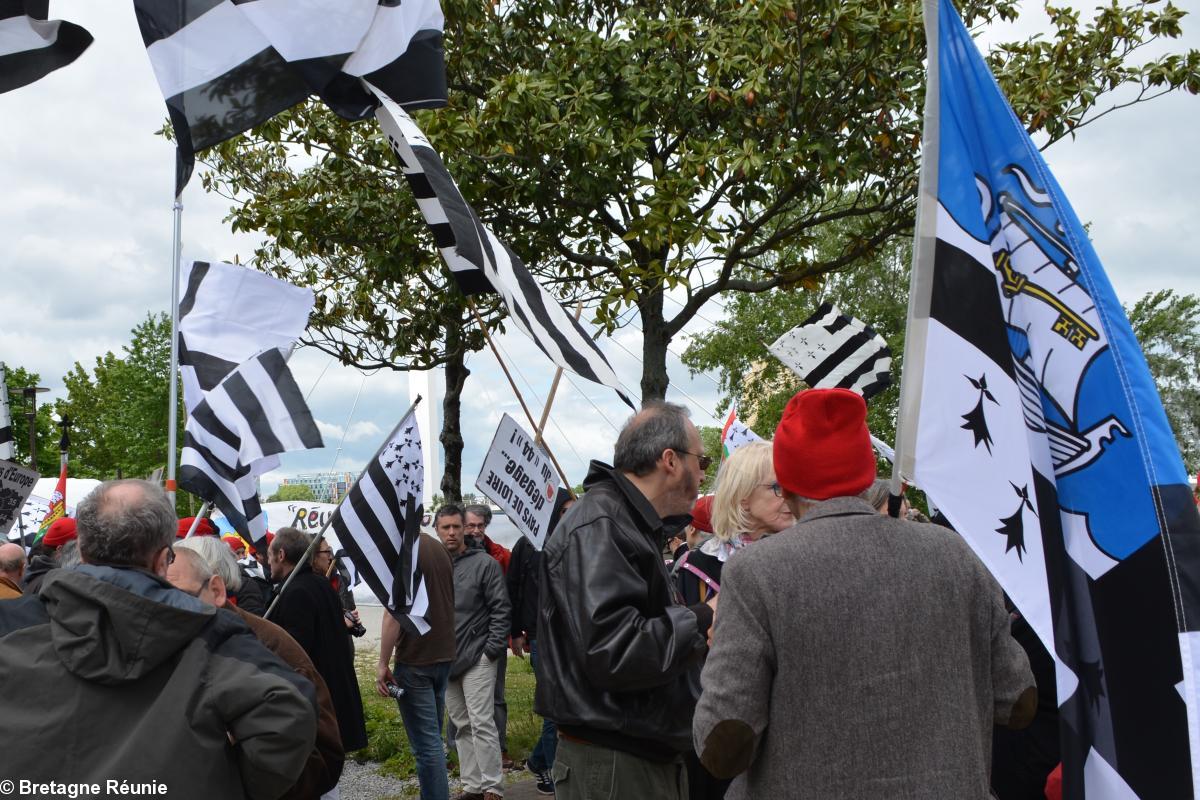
(487, 337)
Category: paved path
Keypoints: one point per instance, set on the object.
(525, 790)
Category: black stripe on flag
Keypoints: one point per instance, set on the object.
(823, 310)
(158, 20)
(6, 434)
(195, 278)
(210, 370)
(965, 300)
(839, 356)
(417, 79)
(23, 67)
(207, 419)
(293, 399)
(459, 216)
(867, 367)
(247, 404)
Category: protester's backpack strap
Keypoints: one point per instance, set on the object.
(682, 563)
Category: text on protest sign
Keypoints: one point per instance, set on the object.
(16, 484)
(517, 476)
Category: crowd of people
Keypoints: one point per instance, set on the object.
(782, 637)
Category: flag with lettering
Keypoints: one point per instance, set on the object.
(1029, 416)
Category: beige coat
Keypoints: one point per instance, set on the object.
(857, 656)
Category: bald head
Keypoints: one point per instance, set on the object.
(125, 523)
(12, 562)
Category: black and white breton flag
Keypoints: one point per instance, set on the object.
(256, 412)
(830, 350)
(379, 525)
(225, 66)
(1029, 416)
(480, 262)
(6, 433)
(226, 315)
(31, 47)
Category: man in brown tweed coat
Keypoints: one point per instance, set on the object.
(854, 655)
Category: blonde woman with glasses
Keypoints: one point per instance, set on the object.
(748, 505)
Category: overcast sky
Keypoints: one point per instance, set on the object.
(85, 241)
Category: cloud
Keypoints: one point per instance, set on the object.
(358, 431)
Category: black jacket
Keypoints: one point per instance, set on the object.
(523, 588)
(312, 613)
(619, 657)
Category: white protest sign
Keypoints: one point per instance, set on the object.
(517, 476)
(16, 484)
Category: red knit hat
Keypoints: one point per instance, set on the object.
(205, 528)
(62, 530)
(822, 448)
(235, 543)
(702, 514)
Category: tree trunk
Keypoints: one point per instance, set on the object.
(451, 437)
(655, 339)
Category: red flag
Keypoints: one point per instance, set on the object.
(58, 504)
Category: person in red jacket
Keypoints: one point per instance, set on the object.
(475, 527)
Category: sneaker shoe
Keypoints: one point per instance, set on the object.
(545, 784)
(470, 796)
(492, 796)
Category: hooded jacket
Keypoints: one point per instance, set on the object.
(481, 610)
(161, 684)
(618, 656)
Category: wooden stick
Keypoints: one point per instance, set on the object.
(487, 338)
(537, 433)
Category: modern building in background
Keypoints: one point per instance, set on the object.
(327, 487)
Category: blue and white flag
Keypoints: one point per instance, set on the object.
(1030, 418)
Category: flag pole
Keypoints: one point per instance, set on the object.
(487, 337)
(537, 433)
(205, 508)
(312, 546)
(173, 375)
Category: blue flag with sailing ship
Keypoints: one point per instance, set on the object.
(1029, 416)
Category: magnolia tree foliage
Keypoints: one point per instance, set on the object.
(629, 148)
(1167, 325)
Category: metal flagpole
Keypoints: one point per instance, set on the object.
(173, 391)
(312, 546)
(487, 337)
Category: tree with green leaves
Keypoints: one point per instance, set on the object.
(118, 408)
(1168, 327)
(46, 431)
(289, 492)
(628, 149)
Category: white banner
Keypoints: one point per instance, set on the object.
(16, 484)
(518, 476)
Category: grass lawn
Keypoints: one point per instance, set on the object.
(385, 731)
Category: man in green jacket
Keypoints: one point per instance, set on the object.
(113, 677)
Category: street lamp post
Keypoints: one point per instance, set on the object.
(30, 393)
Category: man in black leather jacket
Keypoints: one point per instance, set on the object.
(620, 656)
